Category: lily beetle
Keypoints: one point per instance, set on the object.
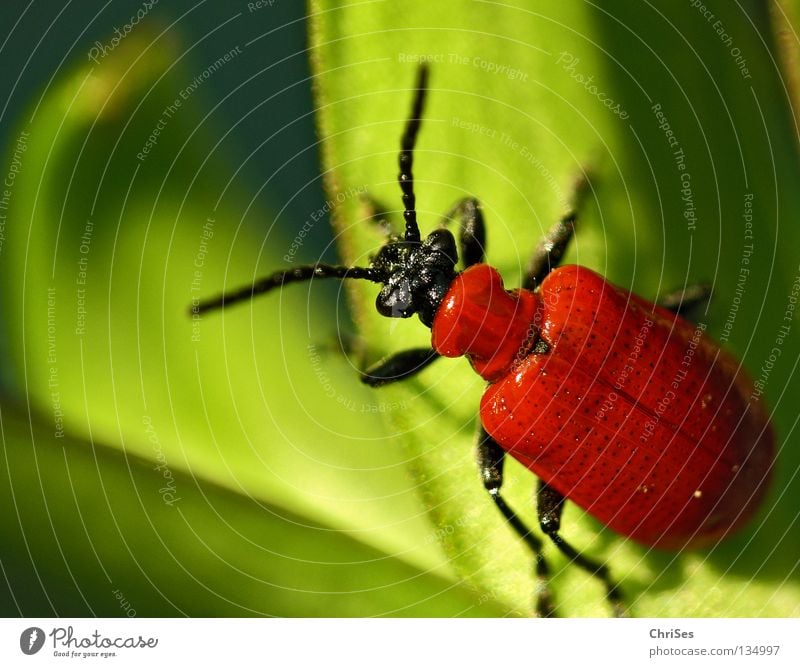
(620, 405)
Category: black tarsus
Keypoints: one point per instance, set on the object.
(549, 505)
(406, 158)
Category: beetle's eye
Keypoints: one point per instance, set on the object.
(395, 300)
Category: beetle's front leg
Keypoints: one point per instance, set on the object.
(377, 215)
(490, 461)
(472, 237)
(399, 366)
(548, 254)
(549, 505)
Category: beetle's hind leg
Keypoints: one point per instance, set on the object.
(549, 505)
(685, 302)
(490, 460)
(472, 237)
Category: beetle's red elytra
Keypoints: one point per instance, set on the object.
(632, 413)
(617, 404)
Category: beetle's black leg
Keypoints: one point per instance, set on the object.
(684, 301)
(378, 216)
(550, 250)
(549, 505)
(399, 366)
(490, 461)
(473, 230)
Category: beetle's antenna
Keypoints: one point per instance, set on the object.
(281, 278)
(405, 178)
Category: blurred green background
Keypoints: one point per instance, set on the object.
(234, 465)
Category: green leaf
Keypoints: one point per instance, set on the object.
(91, 530)
(523, 100)
(123, 211)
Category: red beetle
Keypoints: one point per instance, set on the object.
(618, 404)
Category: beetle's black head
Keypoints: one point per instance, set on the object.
(417, 275)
